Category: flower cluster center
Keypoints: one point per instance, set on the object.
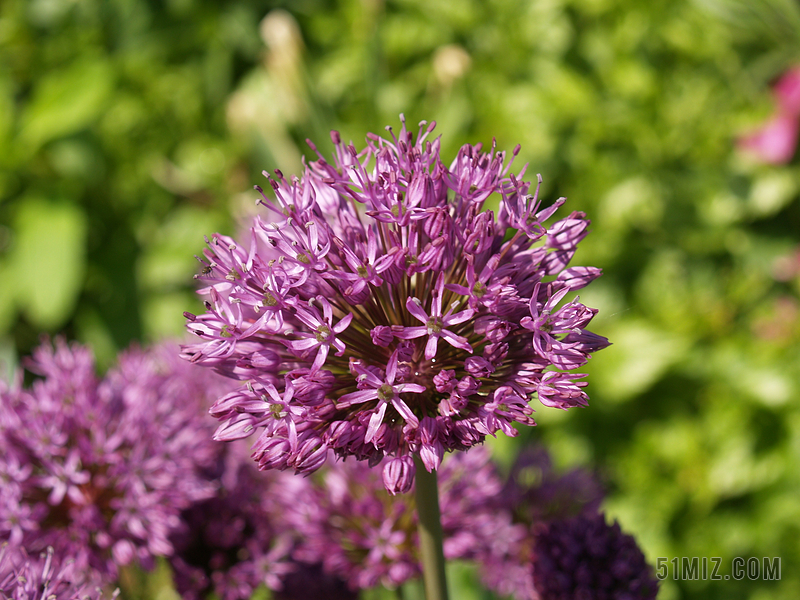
(434, 325)
(386, 392)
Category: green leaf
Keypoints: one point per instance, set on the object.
(7, 305)
(66, 101)
(8, 359)
(168, 262)
(639, 357)
(463, 581)
(262, 593)
(772, 192)
(6, 116)
(48, 260)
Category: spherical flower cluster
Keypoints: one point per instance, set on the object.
(567, 550)
(239, 539)
(534, 493)
(352, 526)
(44, 578)
(585, 558)
(100, 469)
(229, 543)
(382, 311)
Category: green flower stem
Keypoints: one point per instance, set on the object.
(430, 533)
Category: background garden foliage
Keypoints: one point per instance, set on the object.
(129, 129)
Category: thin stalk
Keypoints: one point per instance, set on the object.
(430, 533)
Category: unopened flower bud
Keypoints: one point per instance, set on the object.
(398, 474)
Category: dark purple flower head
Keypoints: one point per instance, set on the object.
(23, 577)
(584, 558)
(307, 582)
(413, 319)
(236, 541)
(566, 551)
(100, 469)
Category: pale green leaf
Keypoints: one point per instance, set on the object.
(641, 354)
(48, 260)
(66, 101)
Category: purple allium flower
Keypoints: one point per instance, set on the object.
(237, 540)
(567, 551)
(357, 530)
(100, 469)
(413, 319)
(44, 578)
(311, 582)
(585, 558)
(534, 494)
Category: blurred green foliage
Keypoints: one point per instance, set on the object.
(128, 129)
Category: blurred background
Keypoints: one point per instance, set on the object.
(129, 129)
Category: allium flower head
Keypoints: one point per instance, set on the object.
(100, 469)
(585, 558)
(238, 540)
(23, 577)
(380, 309)
(535, 492)
(351, 525)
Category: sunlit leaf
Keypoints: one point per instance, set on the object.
(66, 100)
(48, 260)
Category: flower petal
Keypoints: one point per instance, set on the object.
(375, 421)
(405, 411)
(357, 397)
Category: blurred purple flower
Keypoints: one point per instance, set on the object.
(356, 530)
(238, 540)
(44, 578)
(566, 551)
(100, 469)
(584, 558)
(306, 582)
(535, 493)
(371, 263)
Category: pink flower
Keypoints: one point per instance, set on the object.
(787, 91)
(775, 141)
